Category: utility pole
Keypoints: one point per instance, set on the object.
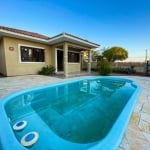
(146, 56)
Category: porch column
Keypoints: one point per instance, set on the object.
(89, 61)
(65, 59)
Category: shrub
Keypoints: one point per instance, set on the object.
(48, 70)
(128, 70)
(94, 69)
(104, 67)
(118, 70)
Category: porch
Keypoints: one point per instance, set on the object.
(69, 59)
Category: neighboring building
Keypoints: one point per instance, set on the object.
(23, 52)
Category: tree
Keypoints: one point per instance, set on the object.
(103, 66)
(115, 53)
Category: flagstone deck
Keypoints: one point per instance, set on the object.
(137, 135)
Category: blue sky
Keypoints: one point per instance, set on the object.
(124, 23)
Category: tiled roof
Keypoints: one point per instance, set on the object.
(50, 40)
(32, 34)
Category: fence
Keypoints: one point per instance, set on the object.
(141, 68)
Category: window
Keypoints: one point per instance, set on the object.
(31, 54)
(73, 57)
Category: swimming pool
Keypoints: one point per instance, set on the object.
(86, 114)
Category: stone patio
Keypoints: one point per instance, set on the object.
(137, 135)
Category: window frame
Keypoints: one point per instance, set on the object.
(30, 46)
(75, 53)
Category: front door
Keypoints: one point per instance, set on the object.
(60, 61)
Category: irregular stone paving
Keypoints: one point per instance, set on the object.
(137, 135)
(10, 85)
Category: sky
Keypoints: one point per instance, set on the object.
(124, 23)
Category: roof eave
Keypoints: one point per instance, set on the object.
(67, 38)
(64, 37)
(21, 36)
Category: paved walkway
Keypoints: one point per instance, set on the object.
(137, 135)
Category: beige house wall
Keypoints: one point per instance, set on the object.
(10, 59)
(74, 68)
(13, 64)
(2, 58)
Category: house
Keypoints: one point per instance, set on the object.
(23, 52)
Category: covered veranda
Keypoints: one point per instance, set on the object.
(68, 51)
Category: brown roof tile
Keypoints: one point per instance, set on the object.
(32, 34)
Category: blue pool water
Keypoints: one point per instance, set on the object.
(85, 114)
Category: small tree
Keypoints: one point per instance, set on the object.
(115, 53)
(103, 66)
